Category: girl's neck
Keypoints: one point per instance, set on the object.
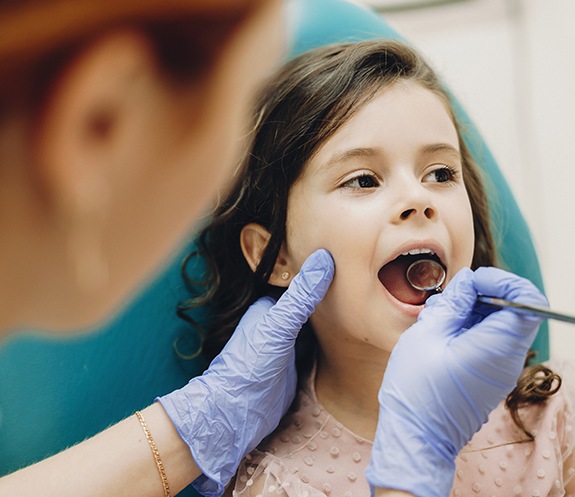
(347, 387)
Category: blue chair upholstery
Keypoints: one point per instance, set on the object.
(55, 392)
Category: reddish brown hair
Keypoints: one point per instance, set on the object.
(40, 36)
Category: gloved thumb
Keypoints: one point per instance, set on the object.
(305, 291)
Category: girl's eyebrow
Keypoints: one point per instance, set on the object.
(350, 154)
(441, 147)
(368, 152)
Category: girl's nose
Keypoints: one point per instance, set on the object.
(428, 212)
(414, 201)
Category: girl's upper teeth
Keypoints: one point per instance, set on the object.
(418, 251)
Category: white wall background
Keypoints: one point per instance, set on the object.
(511, 63)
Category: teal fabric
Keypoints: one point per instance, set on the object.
(55, 392)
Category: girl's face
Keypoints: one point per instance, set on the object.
(388, 183)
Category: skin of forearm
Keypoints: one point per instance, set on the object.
(118, 461)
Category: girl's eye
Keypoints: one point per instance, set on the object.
(444, 174)
(362, 181)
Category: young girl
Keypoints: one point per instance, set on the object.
(355, 149)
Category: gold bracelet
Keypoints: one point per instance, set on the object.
(156, 454)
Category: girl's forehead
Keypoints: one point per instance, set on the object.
(400, 115)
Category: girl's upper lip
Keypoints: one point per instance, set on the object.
(418, 244)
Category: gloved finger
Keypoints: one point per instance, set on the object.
(247, 341)
(248, 334)
(505, 336)
(255, 312)
(504, 333)
(493, 353)
(502, 284)
(450, 310)
(305, 291)
(479, 313)
(268, 329)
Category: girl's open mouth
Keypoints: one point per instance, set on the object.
(393, 277)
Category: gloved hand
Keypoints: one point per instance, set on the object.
(445, 375)
(225, 413)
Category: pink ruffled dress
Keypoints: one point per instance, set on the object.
(311, 454)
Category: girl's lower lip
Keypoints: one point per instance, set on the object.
(407, 309)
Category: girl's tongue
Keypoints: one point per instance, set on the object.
(392, 277)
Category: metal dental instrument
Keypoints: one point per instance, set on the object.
(428, 275)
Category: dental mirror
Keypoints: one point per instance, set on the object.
(428, 275)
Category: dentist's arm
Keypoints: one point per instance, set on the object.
(469, 358)
(203, 430)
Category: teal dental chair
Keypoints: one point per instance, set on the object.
(55, 392)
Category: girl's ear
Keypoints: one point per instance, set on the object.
(254, 239)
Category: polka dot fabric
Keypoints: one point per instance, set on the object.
(499, 461)
(311, 454)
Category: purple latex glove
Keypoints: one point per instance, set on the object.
(445, 375)
(225, 413)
